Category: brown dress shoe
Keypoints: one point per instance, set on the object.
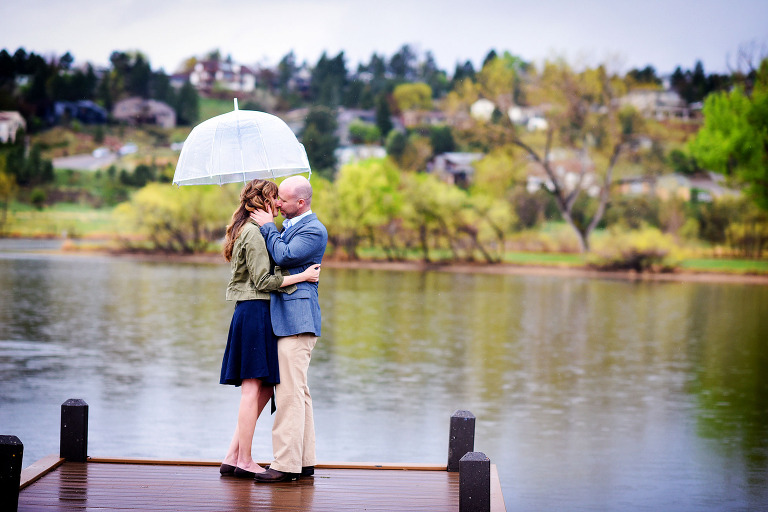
(273, 476)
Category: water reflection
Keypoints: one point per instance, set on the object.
(590, 394)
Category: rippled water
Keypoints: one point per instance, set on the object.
(589, 394)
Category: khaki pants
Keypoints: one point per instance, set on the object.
(293, 431)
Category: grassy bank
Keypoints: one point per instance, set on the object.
(75, 221)
(731, 266)
(63, 220)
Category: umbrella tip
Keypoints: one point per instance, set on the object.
(235, 103)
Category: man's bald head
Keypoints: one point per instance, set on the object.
(296, 194)
(299, 186)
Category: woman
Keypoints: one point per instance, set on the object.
(250, 358)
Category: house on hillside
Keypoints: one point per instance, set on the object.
(301, 81)
(348, 154)
(703, 187)
(137, 111)
(454, 168)
(413, 118)
(297, 118)
(636, 185)
(84, 111)
(482, 109)
(224, 74)
(570, 173)
(531, 117)
(344, 119)
(657, 104)
(10, 123)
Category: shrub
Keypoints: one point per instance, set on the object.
(181, 220)
(645, 250)
(748, 239)
(38, 197)
(632, 212)
(361, 132)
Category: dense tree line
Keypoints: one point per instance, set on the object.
(32, 85)
(584, 122)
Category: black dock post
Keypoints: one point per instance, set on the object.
(475, 483)
(462, 437)
(73, 445)
(11, 453)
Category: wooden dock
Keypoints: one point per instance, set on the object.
(73, 481)
(52, 484)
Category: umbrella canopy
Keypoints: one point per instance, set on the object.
(237, 147)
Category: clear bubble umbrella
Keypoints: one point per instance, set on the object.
(240, 146)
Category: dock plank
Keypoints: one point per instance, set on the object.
(112, 486)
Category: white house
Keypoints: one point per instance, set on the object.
(531, 117)
(482, 109)
(455, 168)
(141, 111)
(10, 122)
(657, 104)
(225, 74)
(348, 154)
(570, 173)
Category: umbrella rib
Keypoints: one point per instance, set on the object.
(266, 155)
(210, 161)
(240, 144)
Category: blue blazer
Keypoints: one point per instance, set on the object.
(301, 246)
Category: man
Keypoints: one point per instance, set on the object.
(296, 322)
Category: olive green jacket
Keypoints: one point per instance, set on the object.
(253, 273)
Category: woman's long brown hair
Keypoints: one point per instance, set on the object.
(256, 195)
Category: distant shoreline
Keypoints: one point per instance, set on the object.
(458, 268)
(480, 268)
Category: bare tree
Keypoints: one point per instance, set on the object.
(584, 119)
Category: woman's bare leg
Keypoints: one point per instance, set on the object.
(253, 398)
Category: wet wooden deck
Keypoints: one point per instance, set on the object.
(131, 484)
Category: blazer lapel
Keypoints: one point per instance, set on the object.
(288, 234)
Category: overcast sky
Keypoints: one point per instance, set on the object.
(625, 34)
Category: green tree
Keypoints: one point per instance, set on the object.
(376, 69)
(417, 153)
(187, 105)
(441, 139)
(402, 65)
(320, 140)
(413, 96)
(644, 77)
(383, 115)
(463, 72)
(499, 80)
(430, 210)
(329, 80)
(447, 217)
(396, 144)
(682, 163)
(180, 220)
(286, 69)
(361, 132)
(7, 190)
(734, 138)
(28, 170)
(432, 75)
(368, 200)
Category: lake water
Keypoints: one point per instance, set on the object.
(590, 394)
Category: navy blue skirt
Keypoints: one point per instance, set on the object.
(251, 346)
